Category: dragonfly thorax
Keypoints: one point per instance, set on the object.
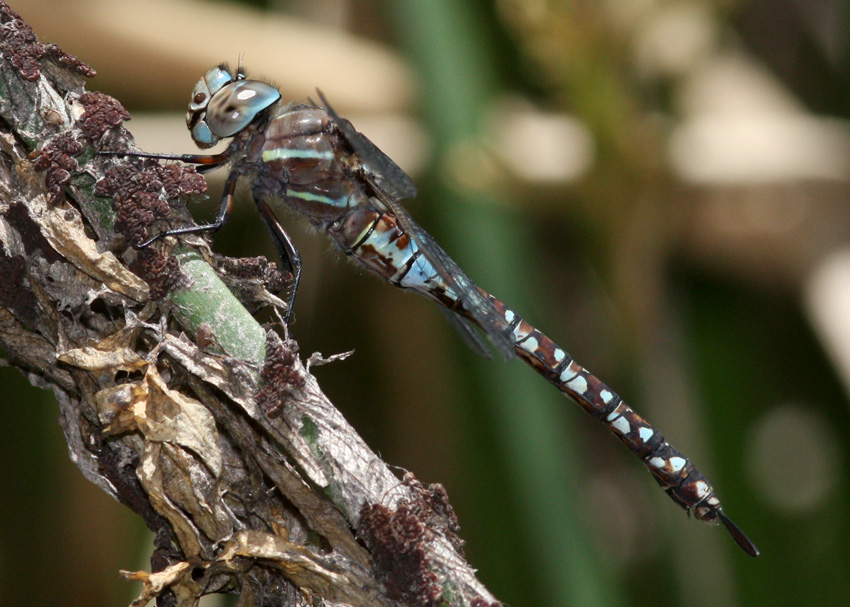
(223, 104)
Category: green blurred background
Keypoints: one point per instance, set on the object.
(660, 186)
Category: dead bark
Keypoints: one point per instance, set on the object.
(173, 399)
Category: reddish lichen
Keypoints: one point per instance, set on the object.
(101, 113)
(56, 159)
(140, 191)
(398, 541)
(255, 268)
(20, 46)
(162, 273)
(280, 375)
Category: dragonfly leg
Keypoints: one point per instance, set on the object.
(224, 210)
(289, 255)
(205, 162)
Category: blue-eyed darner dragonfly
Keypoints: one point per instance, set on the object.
(308, 158)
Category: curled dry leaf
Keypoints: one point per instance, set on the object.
(156, 583)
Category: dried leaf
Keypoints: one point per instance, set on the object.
(170, 416)
(62, 226)
(95, 359)
(156, 583)
(151, 474)
(302, 566)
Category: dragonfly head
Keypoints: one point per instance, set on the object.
(224, 103)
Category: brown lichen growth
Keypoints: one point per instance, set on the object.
(139, 200)
(141, 192)
(180, 180)
(280, 376)
(56, 159)
(102, 113)
(398, 542)
(160, 272)
(255, 268)
(20, 46)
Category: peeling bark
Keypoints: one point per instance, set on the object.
(173, 399)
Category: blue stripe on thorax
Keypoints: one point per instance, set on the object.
(342, 202)
(285, 153)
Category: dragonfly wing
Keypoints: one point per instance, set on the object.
(467, 332)
(473, 300)
(387, 175)
(392, 185)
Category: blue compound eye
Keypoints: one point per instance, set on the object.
(223, 104)
(235, 106)
(202, 136)
(213, 81)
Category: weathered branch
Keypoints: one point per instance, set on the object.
(174, 400)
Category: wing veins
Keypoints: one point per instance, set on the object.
(392, 184)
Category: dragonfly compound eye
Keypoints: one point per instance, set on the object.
(236, 105)
(213, 81)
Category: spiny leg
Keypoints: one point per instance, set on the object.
(207, 162)
(289, 255)
(221, 218)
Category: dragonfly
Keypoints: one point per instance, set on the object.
(306, 157)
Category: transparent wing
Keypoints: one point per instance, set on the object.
(473, 300)
(468, 333)
(392, 185)
(389, 178)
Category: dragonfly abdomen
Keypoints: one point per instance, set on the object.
(376, 241)
(672, 470)
(382, 246)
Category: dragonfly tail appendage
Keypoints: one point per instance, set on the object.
(673, 471)
(739, 536)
